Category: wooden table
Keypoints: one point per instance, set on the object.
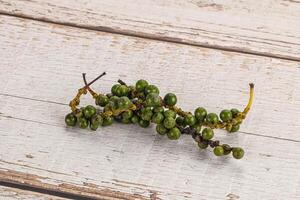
(204, 51)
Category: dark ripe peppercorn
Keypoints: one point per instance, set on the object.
(170, 99)
(227, 149)
(180, 121)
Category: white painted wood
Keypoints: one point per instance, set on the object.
(269, 27)
(40, 70)
(47, 62)
(7, 193)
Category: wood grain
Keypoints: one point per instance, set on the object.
(268, 27)
(41, 66)
(8, 193)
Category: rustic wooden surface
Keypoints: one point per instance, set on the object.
(41, 65)
(8, 193)
(268, 27)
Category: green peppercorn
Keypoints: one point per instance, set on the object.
(89, 111)
(180, 121)
(218, 151)
(83, 122)
(97, 120)
(157, 118)
(125, 121)
(158, 109)
(234, 112)
(101, 100)
(207, 133)
(202, 145)
(174, 134)
(190, 120)
(170, 113)
(107, 121)
(70, 119)
(226, 115)
(200, 114)
(114, 99)
(235, 128)
(144, 123)
(124, 103)
(160, 129)
(237, 152)
(127, 114)
(153, 100)
(197, 128)
(140, 85)
(114, 89)
(170, 99)
(151, 89)
(212, 118)
(122, 90)
(146, 114)
(134, 119)
(94, 127)
(227, 149)
(169, 122)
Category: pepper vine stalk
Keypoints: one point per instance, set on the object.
(82, 91)
(142, 104)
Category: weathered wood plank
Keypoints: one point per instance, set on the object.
(265, 28)
(40, 70)
(8, 193)
(47, 62)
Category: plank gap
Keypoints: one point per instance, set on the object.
(54, 193)
(148, 36)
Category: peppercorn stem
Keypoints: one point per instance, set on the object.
(76, 100)
(246, 110)
(94, 94)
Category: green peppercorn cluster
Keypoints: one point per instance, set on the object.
(142, 104)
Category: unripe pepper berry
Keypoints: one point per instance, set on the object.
(70, 119)
(170, 99)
